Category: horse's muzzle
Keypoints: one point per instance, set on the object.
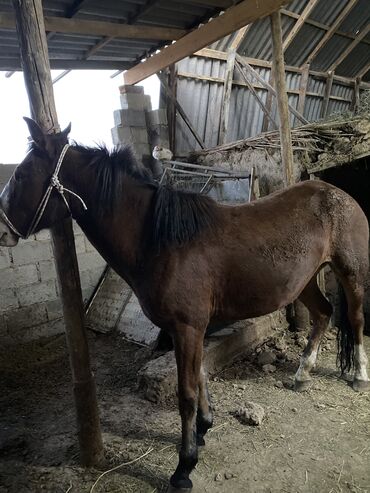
(7, 237)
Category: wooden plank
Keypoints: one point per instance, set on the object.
(349, 48)
(282, 98)
(298, 25)
(171, 108)
(234, 18)
(36, 70)
(242, 61)
(225, 105)
(99, 28)
(303, 88)
(331, 31)
(181, 111)
(325, 103)
(258, 99)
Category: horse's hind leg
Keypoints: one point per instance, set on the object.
(204, 413)
(354, 291)
(320, 310)
(188, 350)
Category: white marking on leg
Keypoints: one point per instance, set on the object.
(360, 363)
(306, 365)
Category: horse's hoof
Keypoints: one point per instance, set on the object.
(360, 385)
(302, 385)
(180, 486)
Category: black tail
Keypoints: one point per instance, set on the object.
(345, 337)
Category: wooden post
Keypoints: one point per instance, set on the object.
(303, 88)
(325, 103)
(282, 98)
(225, 106)
(171, 107)
(356, 95)
(36, 69)
(265, 124)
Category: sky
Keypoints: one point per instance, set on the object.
(86, 98)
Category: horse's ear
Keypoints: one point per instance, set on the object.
(36, 133)
(66, 131)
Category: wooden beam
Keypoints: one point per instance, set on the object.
(349, 48)
(242, 61)
(36, 70)
(234, 18)
(181, 111)
(225, 105)
(282, 99)
(99, 28)
(303, 89)
(239, 36)
(298, 25)
(325, 103)
(331, 31)
(258, 99)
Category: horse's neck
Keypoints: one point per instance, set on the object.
(117, 235)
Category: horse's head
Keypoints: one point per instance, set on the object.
(22, 197)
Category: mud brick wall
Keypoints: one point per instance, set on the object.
(30, 306)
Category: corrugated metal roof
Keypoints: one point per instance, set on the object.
(67, 50)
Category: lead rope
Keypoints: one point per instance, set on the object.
(54, 184)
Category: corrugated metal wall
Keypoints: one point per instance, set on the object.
(202, 100)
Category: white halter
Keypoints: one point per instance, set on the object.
(54, 184)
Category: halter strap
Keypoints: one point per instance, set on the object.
(54, 184)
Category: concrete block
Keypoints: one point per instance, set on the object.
(26, 317)
(158, 378)
(139, 135)
(134, 325)
(5, 260)
(156, 117)
(43, 235)
(27, 253)
(129, 135)
(8, 299)
(148, 103)
(133, 101)
(19, 276)
(54, 309)
(90, 261)
(141, 150)
(47, 329)
(47, 270)
(36, 293)
(129, 118)
(131, 89)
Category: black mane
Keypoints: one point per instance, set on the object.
(177, 216)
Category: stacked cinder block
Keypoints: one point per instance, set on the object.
(138, 125)
(30, 306)
(130, 123)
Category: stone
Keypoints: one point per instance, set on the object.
(279, 384)
(266, 358)
(250, 414)
(269, 368)
(218, 477)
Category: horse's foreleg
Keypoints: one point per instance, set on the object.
(320, 310)
(188, 349)
(204, 414)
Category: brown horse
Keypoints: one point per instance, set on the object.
(193, 262)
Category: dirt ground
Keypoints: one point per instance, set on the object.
(316, 441)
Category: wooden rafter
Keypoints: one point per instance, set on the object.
(234, 18)
(329, 34)
(349, 48)
(298, 25)
(363, 71)
(99, 28)
(225, 106)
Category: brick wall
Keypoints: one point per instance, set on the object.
(30, 306)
